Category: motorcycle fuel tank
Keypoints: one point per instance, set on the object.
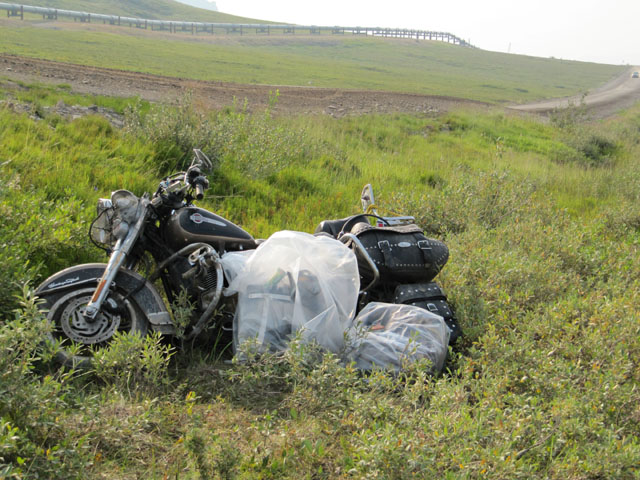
(191, 224)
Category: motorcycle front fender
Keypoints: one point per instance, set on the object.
(87, 275)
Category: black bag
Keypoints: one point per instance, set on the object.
(430, 297)
(402, 253)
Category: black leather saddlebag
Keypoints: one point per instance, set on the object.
(430, 297)
(402, 253)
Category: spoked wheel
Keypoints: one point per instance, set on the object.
(70, 326)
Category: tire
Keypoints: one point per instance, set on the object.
(70, 327)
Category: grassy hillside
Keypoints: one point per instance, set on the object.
(543, 228)
(329, 61)
(150, 9)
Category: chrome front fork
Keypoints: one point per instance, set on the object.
(116, 260)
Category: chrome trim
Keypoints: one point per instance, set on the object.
(116, 260)
(363, 251)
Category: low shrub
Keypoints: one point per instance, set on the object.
(255, 144)
(37, 238)
(34, 442)
(487, 199)
(133, 363)
(588, 149)
(598, 150)
(175, 130)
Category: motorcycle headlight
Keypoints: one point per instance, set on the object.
(126, 205)
(102, 226)
(114, 217)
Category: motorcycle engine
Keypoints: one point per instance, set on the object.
(198, 275)
(207, 285)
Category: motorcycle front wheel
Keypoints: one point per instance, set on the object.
(78, 336)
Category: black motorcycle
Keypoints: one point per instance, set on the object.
(165, 243)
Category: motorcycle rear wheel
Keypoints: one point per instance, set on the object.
(71, 328)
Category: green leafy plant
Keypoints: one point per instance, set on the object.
(32, 443)
(175, 130)
(131, 362)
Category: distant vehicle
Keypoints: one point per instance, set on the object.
(635, 75)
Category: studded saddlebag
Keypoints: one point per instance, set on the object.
(402, 253)
(431, 297)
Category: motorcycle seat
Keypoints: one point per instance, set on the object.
(334, 227)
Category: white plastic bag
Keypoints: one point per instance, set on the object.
(294, 283)
(388, 335)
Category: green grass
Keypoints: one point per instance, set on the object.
(41, 95)
(544, 274)
(423, 67)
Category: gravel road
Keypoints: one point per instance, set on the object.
(621, 92)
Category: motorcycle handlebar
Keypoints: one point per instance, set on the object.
(199, 191)
(175, 187)
(200, 183)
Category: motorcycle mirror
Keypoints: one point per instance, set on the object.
(366, 198)
(201, 159)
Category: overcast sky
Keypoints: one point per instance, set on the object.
(588, 30)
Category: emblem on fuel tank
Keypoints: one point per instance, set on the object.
(197, 218)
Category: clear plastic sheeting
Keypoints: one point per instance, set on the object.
(233, 263)
(388, 335)
(293, 284)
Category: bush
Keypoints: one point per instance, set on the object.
(586, 147)
(570, 116)
(37, 238)
(131, 362)
(595, 149)
(33, 408)
(175, 130)
(485, 199)
(256, 145)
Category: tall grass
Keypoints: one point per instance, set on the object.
(544, 275)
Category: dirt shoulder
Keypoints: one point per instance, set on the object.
(217, 95)
(620, 93)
